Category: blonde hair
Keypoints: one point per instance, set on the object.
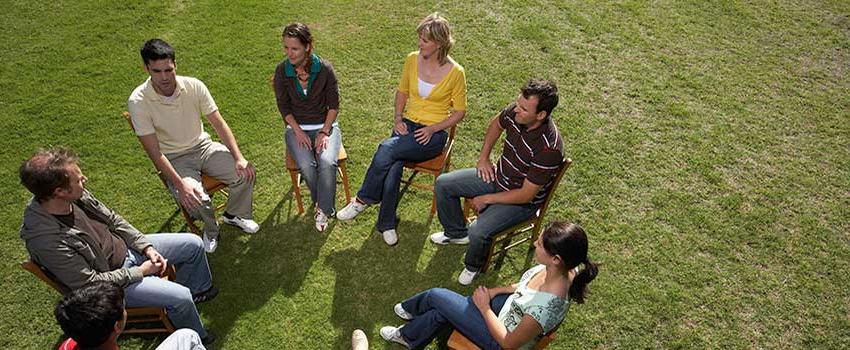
(436, 28)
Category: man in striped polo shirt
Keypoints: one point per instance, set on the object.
(510, 191)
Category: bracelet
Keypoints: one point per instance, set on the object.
(324, 132)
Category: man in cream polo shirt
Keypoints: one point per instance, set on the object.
(166, 113)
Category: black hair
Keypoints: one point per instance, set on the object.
(45, 171)
(569, 242)
(546, 92)
(156, 49)
(89, 314)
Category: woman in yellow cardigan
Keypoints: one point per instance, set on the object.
(433, 90)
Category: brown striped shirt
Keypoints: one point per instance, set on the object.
(535, 155)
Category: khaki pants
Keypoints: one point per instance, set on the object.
(213, 159)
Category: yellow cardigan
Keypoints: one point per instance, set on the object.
(449, 94)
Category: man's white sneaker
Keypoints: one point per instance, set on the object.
(390, 237)
(351, 210)
(441, 238)
(393, 334)
(246, 225)
(321, 220)
(466, 277)
(401, 312)
(210, 244)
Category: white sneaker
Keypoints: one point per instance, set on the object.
(401, 312)
(351, 210)
(393, 334)
(210, 244)
(390, 237)
(359, 341)
(441, 238)
(246, 225)
(466, 277)
(321, 220)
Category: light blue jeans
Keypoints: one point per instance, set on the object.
(182, 339)
(186, 252)
(435, 309)
(495, 218)
(319, 171)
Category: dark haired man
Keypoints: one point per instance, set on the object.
(93, 317)
(509, 192)
(79, 240)
(166, 111)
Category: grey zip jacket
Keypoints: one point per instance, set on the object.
(73, 256)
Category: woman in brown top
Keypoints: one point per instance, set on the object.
(308, 99)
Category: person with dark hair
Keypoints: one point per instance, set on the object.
(80, 240)
(94, 316)
(165, 111)
(307, 96)
(506, 193)
(430, 99)
(509, 317)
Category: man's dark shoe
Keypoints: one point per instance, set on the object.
(207, 295)
(209, 339)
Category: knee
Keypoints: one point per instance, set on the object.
(194, 242)
(181, 297)
(327, 162)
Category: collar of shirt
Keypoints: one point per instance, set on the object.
(149, 91)
(289, 69)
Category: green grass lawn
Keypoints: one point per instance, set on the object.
(711, 148)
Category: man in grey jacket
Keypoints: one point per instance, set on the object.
(79, 240)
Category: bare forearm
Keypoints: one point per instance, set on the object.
(330, 118)
(493, 132)
(226, 135)
(517, 196)
(289, 119)
(454, 118)
(400, 103)
(496, 328)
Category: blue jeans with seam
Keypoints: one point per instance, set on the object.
(437, 308)
(319, 170)
(383, 178)
(495, 217)
(186, 252)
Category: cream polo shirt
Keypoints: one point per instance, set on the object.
(176, 123)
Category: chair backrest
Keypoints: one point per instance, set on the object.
(44, 275)
(547, 338)
(126, 116)
(543, 207)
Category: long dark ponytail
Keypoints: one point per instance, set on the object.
(569, 241)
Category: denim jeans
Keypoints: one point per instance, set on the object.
(319, 171)
(383, 177)
(495, 217)
(182, 339)
(435, 309)
(186, 252)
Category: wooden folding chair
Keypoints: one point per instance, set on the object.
(533, 225)
(434, 166)
(458, 342)
(211, 186)
(295, 176)
(139, 319)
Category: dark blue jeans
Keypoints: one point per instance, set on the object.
(435, 309)
(495, 218)
(383, 178)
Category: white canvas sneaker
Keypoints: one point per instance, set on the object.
(393, 334)
(441, 238)
(246, 225)
(351, 210)
(321, 220)
(390, 237)
(466, 277)
(401, 312)
(210, 244)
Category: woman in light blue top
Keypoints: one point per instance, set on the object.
(509, 317)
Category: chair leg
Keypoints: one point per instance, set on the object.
(190, 223)
(295, 176)
(345, 185)
(434, 197)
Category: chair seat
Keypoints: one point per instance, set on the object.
(432, 166)
(210, 184)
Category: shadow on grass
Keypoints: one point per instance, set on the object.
(369, 283)
(250, 269)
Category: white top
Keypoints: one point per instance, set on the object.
(424, 88)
